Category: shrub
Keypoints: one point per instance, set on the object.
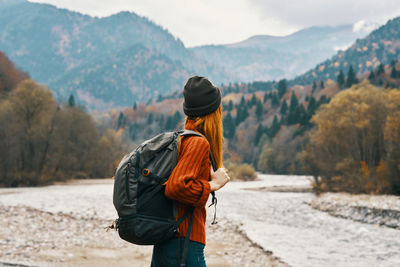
(244, 172)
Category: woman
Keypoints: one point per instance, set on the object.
(193, 179)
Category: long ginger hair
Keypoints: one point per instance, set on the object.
(210, 126)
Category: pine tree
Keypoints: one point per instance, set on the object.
(266, 97)
(282, 120)
(253, 100)
(230, 105)
(242, 114)
(259, 110)
(312, 106)
(323, 100)
(242, 101)
(394, 74)
(134, 106)
(121, 120)
(351, 77)
(371, 76)
(71, 101)
(259, 133)
(229, 126)
(340, 79)
(322, 85)
(275, 100)
(282, 87)
(381, 69)
(150, 119)
(293, 102)
(314, 86)
(301, 115)
(275, 127)
(284, 108)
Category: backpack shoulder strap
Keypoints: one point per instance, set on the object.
(186, 132)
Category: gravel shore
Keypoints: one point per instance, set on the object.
(382, 210)
(34, 237)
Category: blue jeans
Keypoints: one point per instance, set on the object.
(165, 254)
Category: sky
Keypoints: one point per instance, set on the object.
(199, 22)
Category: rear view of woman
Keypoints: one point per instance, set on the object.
(193, 179)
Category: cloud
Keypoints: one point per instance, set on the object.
(308, 13)
(363, 27)
(226, 21)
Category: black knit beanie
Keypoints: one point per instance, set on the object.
(201, 97)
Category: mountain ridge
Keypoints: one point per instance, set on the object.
(53, 44)
(381, 46)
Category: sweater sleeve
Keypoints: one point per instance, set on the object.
(188, 182)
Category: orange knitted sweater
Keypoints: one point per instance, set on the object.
(188, 183)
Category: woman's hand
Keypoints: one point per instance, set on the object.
(218, 179)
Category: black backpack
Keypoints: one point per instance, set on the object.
(146, 215)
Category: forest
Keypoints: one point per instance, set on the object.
(43, 141)
(272, 128)
(345, 133)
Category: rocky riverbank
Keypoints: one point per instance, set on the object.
(381, 210)
(32, 236)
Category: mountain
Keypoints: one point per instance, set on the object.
(267, 124)
(132, 74)
(59, 47)
(125, 58)
(265, 57)
(381, 46)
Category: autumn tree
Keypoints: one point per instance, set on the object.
(10, 76)
(33, 107)
(41, 141)
(351, 140)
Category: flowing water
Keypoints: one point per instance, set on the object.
(281, 222)
(301, 235)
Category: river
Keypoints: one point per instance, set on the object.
(281, 222)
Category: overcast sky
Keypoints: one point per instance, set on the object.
(198, 22)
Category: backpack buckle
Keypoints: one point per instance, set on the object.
(145, 172)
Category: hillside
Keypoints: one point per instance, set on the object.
(54, 45)
(268, 124)
(128, 76)
(82, 55)
(381, 46)
(267, 57)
